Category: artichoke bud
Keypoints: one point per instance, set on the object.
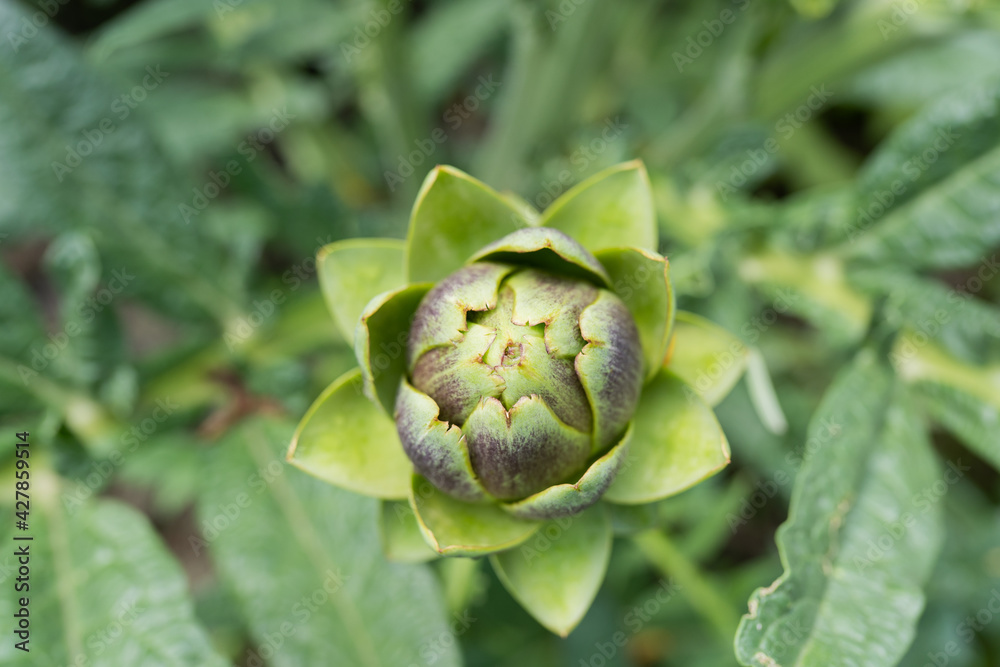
(540, 373)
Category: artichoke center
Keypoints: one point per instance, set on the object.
(512, 354)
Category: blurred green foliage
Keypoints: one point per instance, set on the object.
(827, 182)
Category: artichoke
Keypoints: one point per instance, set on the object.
(516, 368)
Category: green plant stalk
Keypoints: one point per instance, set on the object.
(705, 599)
(460, 577)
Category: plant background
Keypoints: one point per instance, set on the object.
(827, 179)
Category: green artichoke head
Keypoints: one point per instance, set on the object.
(522, 376)
(539, 371)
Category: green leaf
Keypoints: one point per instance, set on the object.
(75, 163)
(454, 216)
(380, 342)
(455, 528)
(965, 326)
(928, 196)
(304, 562)
(861, 538)
(355, 271)
(676, 443)
(346, 440)
(557, 578)
(963, 397)
(642, 280)
(611, 209)
(104, 590)
(402, 541)
(567, 499)
(706, 356)
(953, 60)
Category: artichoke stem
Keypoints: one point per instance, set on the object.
(702, 593)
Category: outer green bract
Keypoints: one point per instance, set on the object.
(522, 359)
